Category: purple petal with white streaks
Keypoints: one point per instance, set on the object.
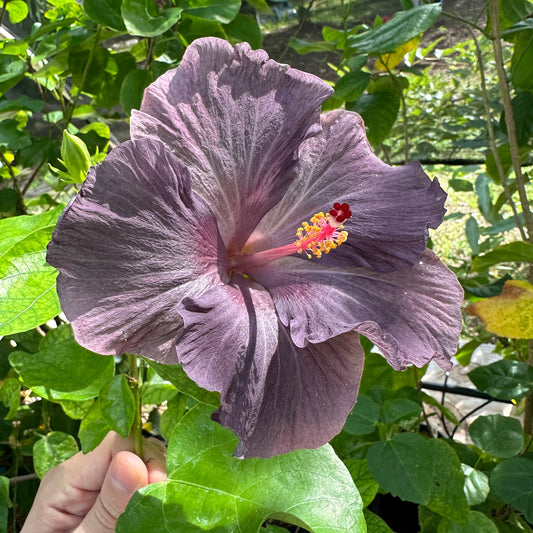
(412, 315)
(236, 119)
(132, 244)
(392, 207)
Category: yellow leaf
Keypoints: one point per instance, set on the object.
(389, 61)
(510, 314)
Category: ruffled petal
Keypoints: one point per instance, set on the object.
(309, 393)
(236, 119)
(413, 316)
(230, 334)
(130, 246)
(275, 396)
(392, 207)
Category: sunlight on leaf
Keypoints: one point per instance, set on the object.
(210, 490)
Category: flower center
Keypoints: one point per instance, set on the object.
(318, 237)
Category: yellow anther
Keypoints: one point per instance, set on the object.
(319, 237)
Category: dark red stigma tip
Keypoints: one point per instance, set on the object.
(340, 212)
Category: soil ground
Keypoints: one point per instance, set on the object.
(363, 11)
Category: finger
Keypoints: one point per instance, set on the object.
(154, 453)
(91, 468)
(126, 474)
(70, 489)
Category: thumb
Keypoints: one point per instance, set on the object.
(127, 473)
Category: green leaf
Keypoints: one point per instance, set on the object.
(52, 450)
(11, 72)
(352, 85)
(367, 486)
(512, 11)
(10, 396)
(476, 485)
(374, 524)
(476, 522)
(117, 405)
(132, 89)
(17, 9)
(191, 28)
(305, 47)
(157, 393)
(497, 435)
(260, 5)
(504, 154)
(429, 521)
(118, 67)
(27, 283)
(512, 481)
(76, 410)
(519, 26)
(522, 62)
(379, 107)
(142, 18)
(223, 11)
(176, 408)
(9, 203)
(460, 185)
(404, 26)
(89, 77)
(472, 234)
(523, 115)
(378, 370)
(22, 103)
(93, 429)
(512, 252)
(484, 199)
(397, 409)
(505, 380)
(105, 12)
(63, 370)
(5, 503)
(217, 492)
(362, 420)
(423, 471)
(177, 376)
(12, 136)
(244, 28)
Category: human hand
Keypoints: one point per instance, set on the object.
(87, 493)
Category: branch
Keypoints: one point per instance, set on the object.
(509, 116)
(492, 138)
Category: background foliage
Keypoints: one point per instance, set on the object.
(460, 99)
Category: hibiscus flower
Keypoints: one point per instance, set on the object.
(252, 240)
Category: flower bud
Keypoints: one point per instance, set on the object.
(76, 157)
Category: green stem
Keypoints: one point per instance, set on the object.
(461, 19)
(297, 31)
(494, 9)
(135, 384)
(70, 110)
(492, 137)
(509, 116)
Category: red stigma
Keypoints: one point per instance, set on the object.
(340, 212)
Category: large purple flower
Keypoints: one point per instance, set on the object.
(181, 247)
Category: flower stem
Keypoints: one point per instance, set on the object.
(135, 384)
(509, 116)
(492, 137)
(494, 9)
